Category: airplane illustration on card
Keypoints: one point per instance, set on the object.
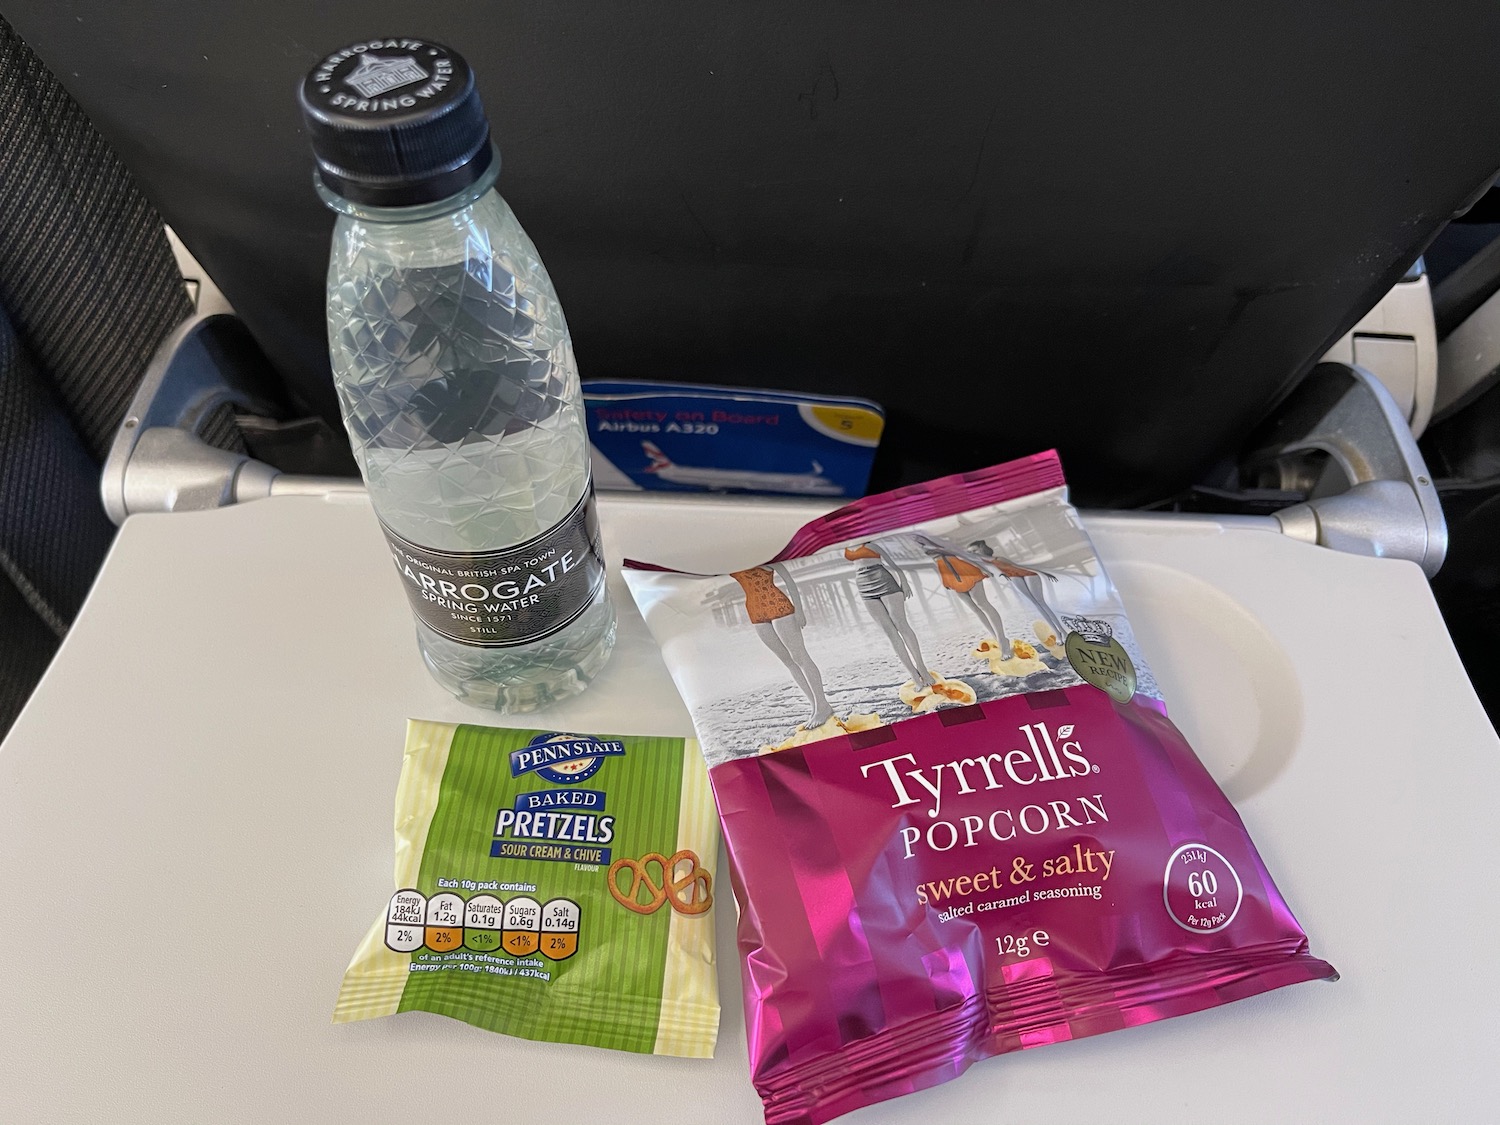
(741, 480)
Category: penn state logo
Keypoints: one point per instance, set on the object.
(563, 759)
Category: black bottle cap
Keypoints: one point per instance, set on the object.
(395, 122)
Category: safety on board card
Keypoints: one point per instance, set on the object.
(695, 438)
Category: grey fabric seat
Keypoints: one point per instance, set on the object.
(88, 290)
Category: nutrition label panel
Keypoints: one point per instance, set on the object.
(519, 927)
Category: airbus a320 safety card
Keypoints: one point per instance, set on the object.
(693, 438)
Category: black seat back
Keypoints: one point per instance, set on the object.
(1121, 229)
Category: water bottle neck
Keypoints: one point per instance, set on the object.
(415, 214)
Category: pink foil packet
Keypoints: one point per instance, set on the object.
(958, 819)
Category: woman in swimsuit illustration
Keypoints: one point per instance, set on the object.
(884, 590)
(962, 573)
(778, 620)
(1029, 583)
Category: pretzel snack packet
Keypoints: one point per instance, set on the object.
(958, 820)
(551, 886)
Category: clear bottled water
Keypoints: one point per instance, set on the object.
(459, 389)
(456, 378)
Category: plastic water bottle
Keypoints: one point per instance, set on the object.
(456, 378)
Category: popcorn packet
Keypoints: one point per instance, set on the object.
(958, 819)
(551, 886)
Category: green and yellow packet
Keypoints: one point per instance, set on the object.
(552, 886)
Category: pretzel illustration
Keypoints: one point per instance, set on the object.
(639, 878)
(669, 888)
(698, 884)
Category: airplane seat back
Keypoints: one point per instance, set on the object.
(1124, 231)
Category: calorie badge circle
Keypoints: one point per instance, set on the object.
(1201, 889)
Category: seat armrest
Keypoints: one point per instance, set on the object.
(1341, 438)
(161, 459)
